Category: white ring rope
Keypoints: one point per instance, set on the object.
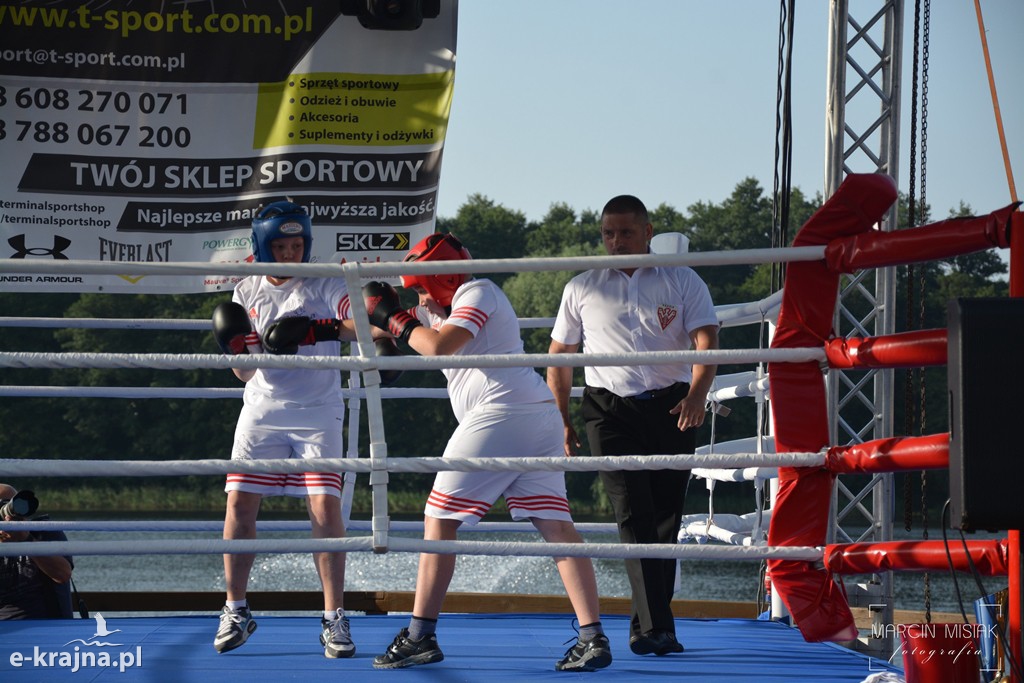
(736, 475)
(170, 361)
(208, 392)
(49, 391)
(750, 313)
(121, 392)
(716, 395)
(27, 467)
(272, 526)
(609, 550)
(201, 325)
(737, 385)
(187, 546)
(394, 269)
(729, 315)
(364, 543)
(197, 392)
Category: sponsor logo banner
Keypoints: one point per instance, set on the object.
(147, 131)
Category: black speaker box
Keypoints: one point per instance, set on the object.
(986, 414)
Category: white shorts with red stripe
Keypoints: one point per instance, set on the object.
(279, 431)
(490, 431)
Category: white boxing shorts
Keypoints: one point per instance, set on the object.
(283, 431)
(493, 430)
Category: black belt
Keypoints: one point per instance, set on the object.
(644, 396)
(654, 393)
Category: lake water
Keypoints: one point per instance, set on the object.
(700, 580)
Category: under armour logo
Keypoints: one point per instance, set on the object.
(57, 252)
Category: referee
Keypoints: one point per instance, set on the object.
(635, 409)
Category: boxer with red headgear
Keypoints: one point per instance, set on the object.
(438, 247)
(501, 412)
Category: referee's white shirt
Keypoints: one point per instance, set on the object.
(654, 309)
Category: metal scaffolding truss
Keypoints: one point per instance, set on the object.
(862, 136)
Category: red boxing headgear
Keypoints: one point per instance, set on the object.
(438, 247)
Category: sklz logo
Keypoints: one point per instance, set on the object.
(57, 252)
(373, 241)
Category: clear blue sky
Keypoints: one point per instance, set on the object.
(578, 100)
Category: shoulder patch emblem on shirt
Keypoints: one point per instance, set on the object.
(666, 314)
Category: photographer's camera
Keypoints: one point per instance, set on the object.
(23, 504)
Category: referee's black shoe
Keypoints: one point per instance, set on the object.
(586, 655)
(655, 643)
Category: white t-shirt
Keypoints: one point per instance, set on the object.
(267, 303)
(482, 308)
(655, 309)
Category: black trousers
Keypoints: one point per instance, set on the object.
(648, 504)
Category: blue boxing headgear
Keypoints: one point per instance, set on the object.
(277, 220)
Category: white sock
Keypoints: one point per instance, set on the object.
(235, 605)
(330, 615)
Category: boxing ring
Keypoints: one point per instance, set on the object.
(839, 238)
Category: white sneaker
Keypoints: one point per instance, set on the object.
(235, 628)
(336, 638)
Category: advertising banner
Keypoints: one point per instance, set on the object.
(152, 131)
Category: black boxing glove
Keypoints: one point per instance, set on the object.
(285, 336)
(387, 347)
(231, 328)
(386, 312)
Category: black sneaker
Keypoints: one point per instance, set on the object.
(235, 628)
(586, 655)
(658, 643)
(404, 652)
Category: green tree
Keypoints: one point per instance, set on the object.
(489, 230)
(148, 428)
(29, 423)
(560, 229)
(665, 218)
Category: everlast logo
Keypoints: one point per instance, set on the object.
(373, 241)
(119, 251)
(57, 252)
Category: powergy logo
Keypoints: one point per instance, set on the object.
(81, 656)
